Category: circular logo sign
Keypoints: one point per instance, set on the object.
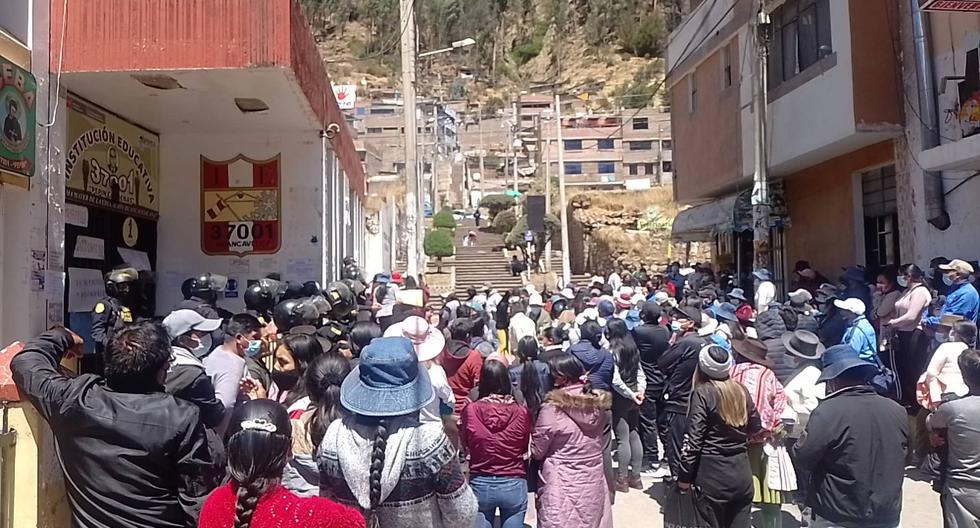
(130, 231)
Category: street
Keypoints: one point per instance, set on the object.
(920, 507)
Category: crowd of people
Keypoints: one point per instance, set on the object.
(357, 405)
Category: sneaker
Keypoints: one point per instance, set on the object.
(649, 468)
(662, 472)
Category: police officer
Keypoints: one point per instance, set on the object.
(350, 270)
(261, 297)
(203, 290)
(114, 311)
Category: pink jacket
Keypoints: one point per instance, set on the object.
(568, 438)
(767, 394)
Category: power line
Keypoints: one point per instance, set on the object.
(384, 50)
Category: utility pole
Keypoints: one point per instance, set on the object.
(435, 161)
(480, 126)
(566, 266)
(760, 189)
(513, 147)
(407, 20)
(547, 193)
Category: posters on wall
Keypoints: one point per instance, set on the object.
(111, 163)
(240, 206)
(19, 116)
(86, 287)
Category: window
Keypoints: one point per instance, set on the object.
(573, 144)
(373, 130)
(666, 144)
(641, 145)
(648, 169)
(692, 92)
(726, 66)
(382, 111)
(606, 144)
(801, 37)
(606, 167)
(573, 168)
(641, 123)
(634, 169)
(668, 166)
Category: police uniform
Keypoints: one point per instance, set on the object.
(108, 316)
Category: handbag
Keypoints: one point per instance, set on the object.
(780, 473)
(681, 508)
(885, 382)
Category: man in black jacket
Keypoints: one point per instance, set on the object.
(652, 339)
(133, 456)
(678, 364)
(854, 448)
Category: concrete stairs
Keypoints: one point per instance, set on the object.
(483, 263)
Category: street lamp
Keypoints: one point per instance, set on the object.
(466, 42)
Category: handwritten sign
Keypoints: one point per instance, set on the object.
(85, 288)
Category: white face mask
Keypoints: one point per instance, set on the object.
(203, 346)
(903, 282)
(940, 337)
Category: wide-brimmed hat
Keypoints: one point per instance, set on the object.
(715, 362)
(708, 325)
(948, 320)
(688, 312)
(826, 292)
(535, 300)
(725, 312)
(839, 359)
(852, 304)
(803, 344)
(800, 296)
(388, 380)
(426, 339)
(737, 293)
(753, 350)
(684, 272)
(661, 297)
(762, 274)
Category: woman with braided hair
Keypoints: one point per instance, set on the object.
(259, 439)
(399, 472)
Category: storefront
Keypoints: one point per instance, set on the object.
(726, 223)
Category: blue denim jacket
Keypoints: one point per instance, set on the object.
(962, 299)
(861, 336)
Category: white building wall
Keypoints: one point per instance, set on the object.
(953, 34)
(179, 244)
(814, 117)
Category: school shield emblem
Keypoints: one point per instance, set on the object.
(240, 206)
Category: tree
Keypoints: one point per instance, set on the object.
(496, 203)
(444, 219)
(504, 222)
(438, 243)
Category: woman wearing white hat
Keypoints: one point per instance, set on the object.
(714, 458)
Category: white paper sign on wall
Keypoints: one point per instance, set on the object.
(85, 288)
(87, 247)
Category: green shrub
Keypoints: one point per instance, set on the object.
(496, 203)
(644, 35)
(515, 238)
(438, 243)
(504, 222)
(444, 219)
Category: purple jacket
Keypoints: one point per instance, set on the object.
(568, 439)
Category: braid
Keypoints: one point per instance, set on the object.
(377, 464)
(246, 499)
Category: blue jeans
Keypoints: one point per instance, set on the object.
(509, 494)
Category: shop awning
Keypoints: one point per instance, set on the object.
(703, 222)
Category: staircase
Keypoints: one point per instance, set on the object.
(483, 263)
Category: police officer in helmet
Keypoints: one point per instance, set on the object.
(204, 290)
(261, 297)
(114, 311)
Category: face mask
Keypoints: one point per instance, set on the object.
(903, 282)
(941, 338)
(285, 379)
(254, 348)
(203, 346)
(947, 280)
(675, 326)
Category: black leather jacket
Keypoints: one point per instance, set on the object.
(131, 459)
(678, 364)
(708, 435)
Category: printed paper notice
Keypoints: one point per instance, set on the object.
(135, 258)
(85, 288)
(54, 286)
(76, 215)
(87, 247)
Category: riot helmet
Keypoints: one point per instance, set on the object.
(342, 299)
(261, 296)
(294, 312)
(120, 283)
(311, 288)
(207, 285)
(558, 306)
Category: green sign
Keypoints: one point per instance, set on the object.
(512, 193)
(19, 116)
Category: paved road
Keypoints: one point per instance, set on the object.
(639, 509)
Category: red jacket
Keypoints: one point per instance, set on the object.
(462, 365)
(278, 508)
(496, 431)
